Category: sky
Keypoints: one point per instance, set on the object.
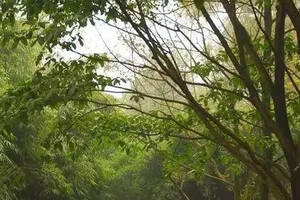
(101, 38)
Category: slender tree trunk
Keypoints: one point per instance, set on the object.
(266, 96)
(237, 188)
(264, 189)
(295, 185)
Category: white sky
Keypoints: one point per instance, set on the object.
(99, 39)
(102, 37)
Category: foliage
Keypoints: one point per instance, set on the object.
(232, 98)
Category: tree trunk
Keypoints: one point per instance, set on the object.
(266, 96)
(264, 189)
(237, 188)
(295, 184)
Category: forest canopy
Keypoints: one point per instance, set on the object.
(199, 100)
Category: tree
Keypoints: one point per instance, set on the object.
(248, 85)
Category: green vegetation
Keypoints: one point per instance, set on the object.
(209, 108)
